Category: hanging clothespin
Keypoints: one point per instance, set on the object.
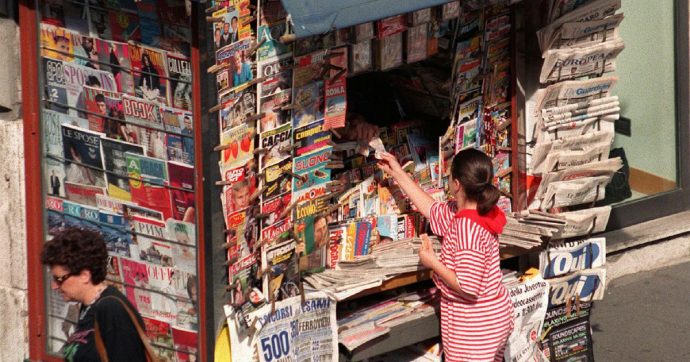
(288, 148)
(215, 19)
(257, 193)
(303, 298)
(255, 47)
(249, 20)
(287, 38)
(333, 165)
(217, 67)
(213, 9)
(303, 178)
(287, 210)
(255, 117)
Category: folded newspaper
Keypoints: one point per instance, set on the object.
(593, 10)
(569, 63)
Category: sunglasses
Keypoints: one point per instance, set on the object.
(61, 279)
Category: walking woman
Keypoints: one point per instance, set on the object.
(106, 329)
(476, 311)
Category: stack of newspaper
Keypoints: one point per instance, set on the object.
(573, 116)
(366, 324)
(530, 228)
(386, 261)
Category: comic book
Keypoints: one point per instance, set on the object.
(179, 70)
(282, 280)
(150, 73)
(276, 145)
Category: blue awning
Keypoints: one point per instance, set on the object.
(311, 17)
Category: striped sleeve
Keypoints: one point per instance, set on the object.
(470, 271)
(441, 217)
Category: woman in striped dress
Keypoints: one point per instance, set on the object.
(476, 312)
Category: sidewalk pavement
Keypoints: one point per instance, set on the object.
(644, 317)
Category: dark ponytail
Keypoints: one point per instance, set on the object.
(475, 172)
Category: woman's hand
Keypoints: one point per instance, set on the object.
(389, 164)
(426, 253)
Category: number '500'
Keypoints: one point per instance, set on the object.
(275, 346)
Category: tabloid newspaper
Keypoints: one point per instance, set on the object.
(568, 257)
(569, 63)
(530, 300)
(588, 284)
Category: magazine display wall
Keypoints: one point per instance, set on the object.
(118, 156)
(300, 203)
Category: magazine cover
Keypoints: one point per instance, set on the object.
(226, 32)
(237, 109)
(115, 163)
(272, 45)
(160, 336)
(115, 230)
(150, 73)
(181, 232)
(149, 22)
(390, 51)
(236, 196)
(55, 217)
(277, 179)
(177, 120)
(239, 65)
(147, 179)
(181, 192)
(180, 73)
(309, 100)
(416, 38)
(311, 229)
(103, 109)
(308, 69)
(180, 149)
(243, 279)
(282, 281)
(313, 167)
(276, 145)
(64, 14)
(278, 73)
(275, 230)
(58, 43)
(273, 117)
(83, 161)
(335, 89)
(124, 26)
(240, 142)
(185, 342)
(142, 112)
(390, 26)
(271, 209)
(364, 31)
(361, 59)
(65, 85)
(310, 138)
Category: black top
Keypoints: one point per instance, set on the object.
(120, 337)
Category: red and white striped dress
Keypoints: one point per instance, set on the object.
(472, 329)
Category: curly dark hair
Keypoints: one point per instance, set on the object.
(77, 249)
